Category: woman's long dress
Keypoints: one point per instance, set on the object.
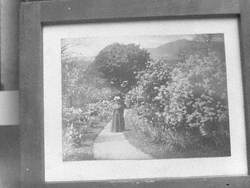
(118, 123)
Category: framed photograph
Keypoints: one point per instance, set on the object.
(134, 94)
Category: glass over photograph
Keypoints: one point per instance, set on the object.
(144, 97)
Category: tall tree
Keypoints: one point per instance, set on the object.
(120, 63)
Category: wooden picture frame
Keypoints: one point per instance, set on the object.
(35, 15)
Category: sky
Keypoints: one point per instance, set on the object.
(91, 46)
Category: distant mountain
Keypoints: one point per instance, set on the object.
(171, 50)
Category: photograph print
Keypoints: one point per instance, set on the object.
(144, 97)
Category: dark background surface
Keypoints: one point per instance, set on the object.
(9, 156)
(9, 135)
(9, 44)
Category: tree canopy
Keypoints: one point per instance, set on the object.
(119, 64)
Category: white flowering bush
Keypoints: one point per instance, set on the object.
(185, 102)
(102, 109)
(77, 121)
(75, 124)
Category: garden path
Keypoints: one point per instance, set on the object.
(110, 145)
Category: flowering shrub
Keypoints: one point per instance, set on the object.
(74, 126)
(185, 102)
(77, 121)
(102, 108)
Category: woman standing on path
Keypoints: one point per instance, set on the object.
(118, 123)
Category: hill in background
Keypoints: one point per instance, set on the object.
(172, 50)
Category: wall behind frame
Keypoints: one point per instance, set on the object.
(9, 66)
(9, 135)
(9, 44)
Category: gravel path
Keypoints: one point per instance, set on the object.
(109, 145)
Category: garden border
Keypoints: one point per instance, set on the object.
(35, 15)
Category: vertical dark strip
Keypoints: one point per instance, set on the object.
(9, 157)
(245, 49)
(1, 86)
(9, 44)
(31, 94)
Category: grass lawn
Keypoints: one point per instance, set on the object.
(85, 151)
(162, 151)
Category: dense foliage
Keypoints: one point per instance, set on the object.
(84, 104)
(185, 102)
(77, 121)
(120, 63)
